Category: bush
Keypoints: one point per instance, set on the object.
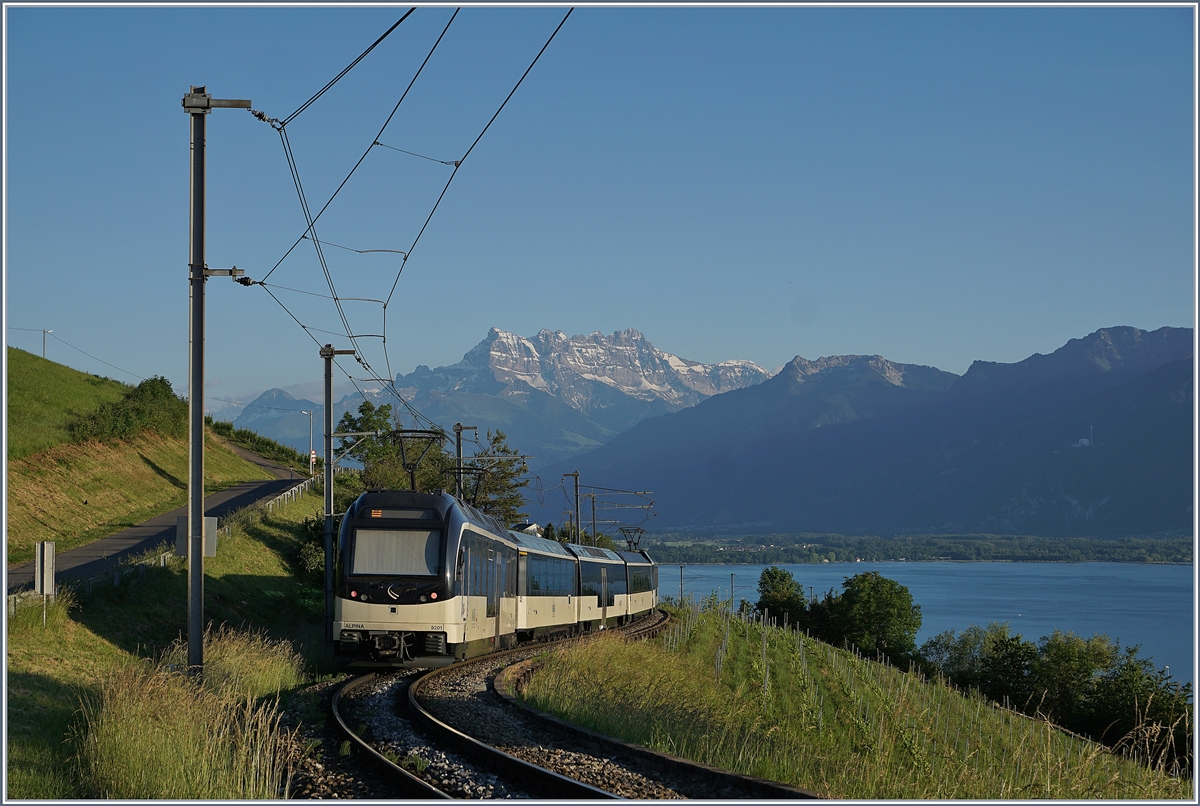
(150, 406)
(263, 446)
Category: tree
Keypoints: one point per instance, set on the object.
(1134, 698)
(548, 532)
(381, 456)
(779, 593)
(1007, 668)
(599, 540)
(875, 613)
(958, 658)
(1065, 674)
(497, 486)
(497, 490)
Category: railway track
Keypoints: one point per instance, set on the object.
(487, 748)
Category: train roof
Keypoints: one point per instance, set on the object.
(593, 553)
(636, 557)
(538, 543)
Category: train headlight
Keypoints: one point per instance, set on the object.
(433, 595)
(424, 598)
(353, 594)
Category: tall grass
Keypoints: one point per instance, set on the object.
(757, 699)
(244, 663)
(150, 731)
(33, 613)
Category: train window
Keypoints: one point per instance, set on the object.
(639, 579)
(390, 552)
(589, 583)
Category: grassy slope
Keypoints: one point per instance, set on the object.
(249, 582)
(74, 493)
(825, 720)
(43, 397)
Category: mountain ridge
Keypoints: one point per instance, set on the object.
(846, 444)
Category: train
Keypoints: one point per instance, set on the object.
(422, 580)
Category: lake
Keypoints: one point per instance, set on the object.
(1151, 605)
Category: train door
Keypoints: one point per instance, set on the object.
(460, 585)
(604, 597)
(495, 562)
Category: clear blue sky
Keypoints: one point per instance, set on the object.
(935, 185)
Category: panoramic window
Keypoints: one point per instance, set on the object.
(397, 552)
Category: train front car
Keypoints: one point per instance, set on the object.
(642, 581)
(394, 602)
(421, 581)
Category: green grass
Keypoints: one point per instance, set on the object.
(795, 710)
(263, 446)
(45, 397)
(76, 493)
(147, 717)
(249, 587)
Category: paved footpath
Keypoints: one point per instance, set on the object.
(106, 553)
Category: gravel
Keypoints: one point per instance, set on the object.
(467, 702)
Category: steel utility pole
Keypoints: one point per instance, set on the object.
(458, 429)
(197, 103)
(593, 496)
(327, 352)
(576, 475)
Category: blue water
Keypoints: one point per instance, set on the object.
(1151, 605)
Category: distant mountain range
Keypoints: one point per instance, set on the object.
(556, 396)
(553, 395)
(1095, 438)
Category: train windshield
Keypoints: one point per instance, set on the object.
(396, 552)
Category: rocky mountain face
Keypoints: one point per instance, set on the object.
(278, 415)
(615, 381)
(556, 395)
(553, 395)
(857, 444)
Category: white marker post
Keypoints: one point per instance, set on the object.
(43, 573)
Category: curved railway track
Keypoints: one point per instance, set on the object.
(497, 750)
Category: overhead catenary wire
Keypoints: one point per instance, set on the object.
(472, 148)
(454, 163)
(347, 69)
(368, 151)
(310, 220)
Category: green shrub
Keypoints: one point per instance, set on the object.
(150, 406)
(263, 446)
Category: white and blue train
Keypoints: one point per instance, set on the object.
(424, 579)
